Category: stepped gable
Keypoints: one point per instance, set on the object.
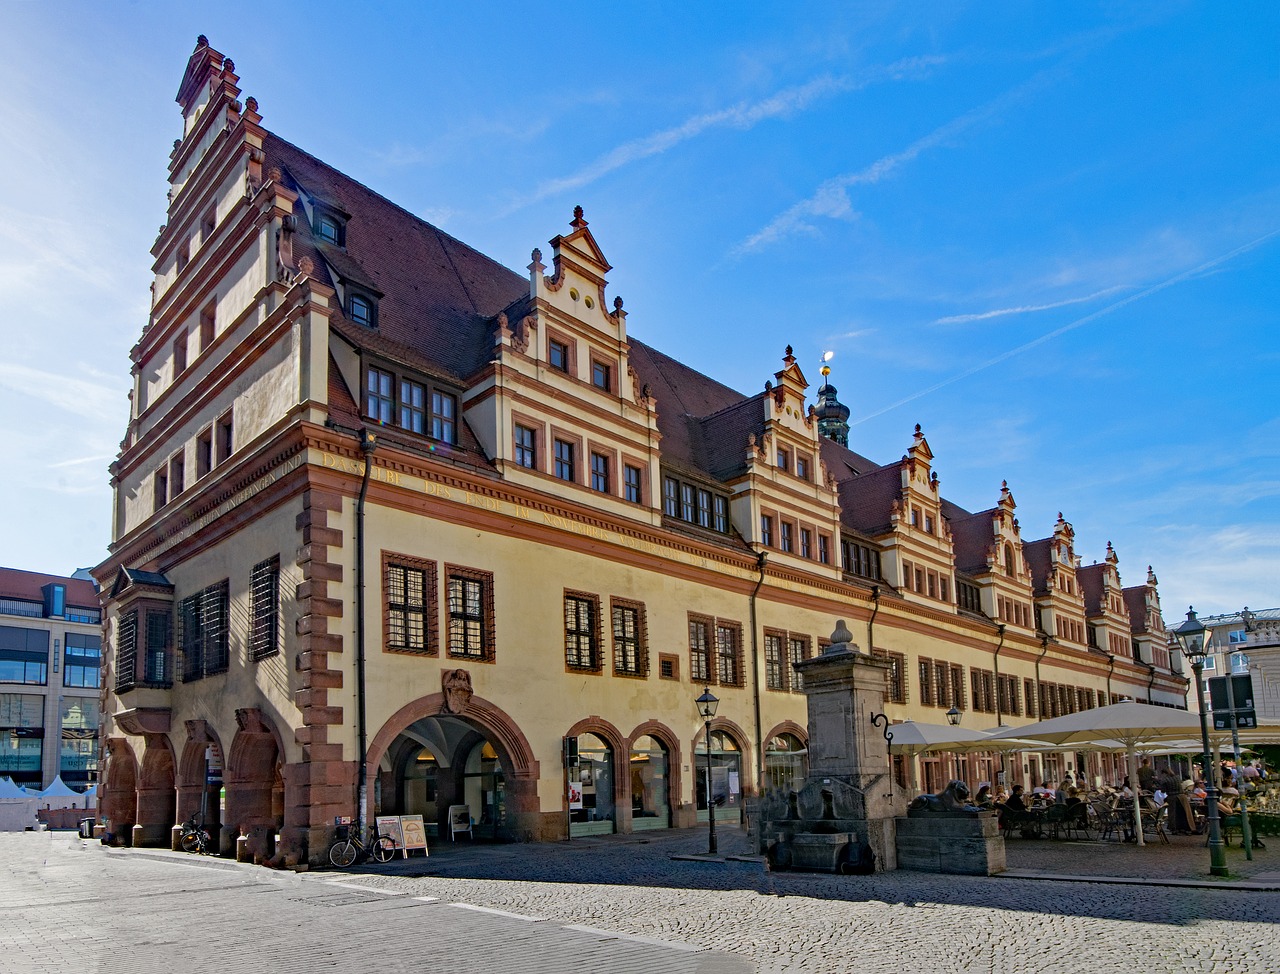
(1038, 556)
(971, 538)
(438, 294)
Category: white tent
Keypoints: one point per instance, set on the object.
(9, 790)
(59, 789)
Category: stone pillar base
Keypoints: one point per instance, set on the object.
(965, 844)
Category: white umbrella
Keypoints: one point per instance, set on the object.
(912, 738)
(1128, 724)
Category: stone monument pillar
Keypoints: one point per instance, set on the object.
(842, 819)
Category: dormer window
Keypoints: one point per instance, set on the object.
(329, 224)
(327, 228)
(360, 310)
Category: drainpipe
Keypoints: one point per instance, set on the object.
(1151, 682)
(1044, 649)
(755, 672)
(368, 443)
(871, 623)
(996, 661)
(1111, 665)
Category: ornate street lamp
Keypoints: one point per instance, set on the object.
(707, 704)
(953, 718)
(1192, 640)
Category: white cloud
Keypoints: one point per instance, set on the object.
(91, 399)
(744, 115)
(1026, 308)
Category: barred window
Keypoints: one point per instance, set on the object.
(797, 651)
(126, 650)
(630, 655)
(773, 673)
(926, 682)
(581, 645)
(264, 609)
(957, 686)
(409, 591)
(729, 654)
(202, 632)
(699, 651)
(470, 612)
(1029, 696)
(155, 667)
(896, 678)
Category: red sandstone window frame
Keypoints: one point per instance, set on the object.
(391, 561)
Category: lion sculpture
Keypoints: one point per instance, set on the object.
(952, 800)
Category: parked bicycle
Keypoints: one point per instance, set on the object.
(194, 838)
(352, 846)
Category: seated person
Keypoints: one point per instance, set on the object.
(1227, 803)
(1073, 797)
(983, 798)
(1015, 802)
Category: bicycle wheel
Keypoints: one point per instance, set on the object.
(190, 841)
(383, 849)
(342, 853)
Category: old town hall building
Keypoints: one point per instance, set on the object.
(396, 529)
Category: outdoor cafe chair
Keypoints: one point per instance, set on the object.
(1107, 817)
(1153, 822)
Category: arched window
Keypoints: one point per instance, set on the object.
(786, 763)
(1008, 559)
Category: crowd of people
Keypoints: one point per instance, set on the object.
(1157, 789)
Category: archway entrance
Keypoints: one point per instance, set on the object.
(441, 762)
(592, 810)
(650, 784)
(726, 778)
(786, 763)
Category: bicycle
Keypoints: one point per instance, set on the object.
(194, 838)
(351, 847)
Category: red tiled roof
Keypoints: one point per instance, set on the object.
(971, 536)
(1135, 600)
(1037, 554)
(866, 501)
(1090, 578)
(18, 584)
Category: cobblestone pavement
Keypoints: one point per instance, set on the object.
(631, 885)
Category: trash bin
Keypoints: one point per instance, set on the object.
(86, 828)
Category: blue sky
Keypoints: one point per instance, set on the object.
(1048, 233)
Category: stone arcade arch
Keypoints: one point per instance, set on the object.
(602, 755)
(254, 780)
(786, 757)
(730, 757)
(200, 780)
(455, 733)
(157, 798)
(119, 802)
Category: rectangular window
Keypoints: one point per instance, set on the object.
(207, 224)
(631, 476)
(126, 651)
(670, 497)
(361, 310)
(729, 654)
(202, 632)
(564, 460)
(526, 445)
(720, 514)
(802, 468)
(942, 685)
(926, 682)
(81, 660)
(160, 489)
(686, 502)
(600, 472)
(773, 673)
(824, 549)
(264, 609)
(704, 508)
(204, 452)
(896, 677)
(630, 654)
(156, 669)
(784, 528)
(1029, 696)
(409, 593)
(208, 318)
(328, 229)
(444, 409)
(224, 441)
(379, 404)
(413, 406)
(699, 650)
(24, 655)
(783, 459)
(177, 476)
(668, 666)
(558, 355)
(470, 595)
(766, 530)
(180, 354)
(601, 376)
(581, 635)
(806, 543)
(797, 650)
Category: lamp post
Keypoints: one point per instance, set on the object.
(1191, 640)
(953, 718)
(707, 704)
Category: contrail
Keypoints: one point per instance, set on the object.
(1071, 326)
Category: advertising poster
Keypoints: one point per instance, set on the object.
(575, 794)
(389, 825)
(414, 832)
